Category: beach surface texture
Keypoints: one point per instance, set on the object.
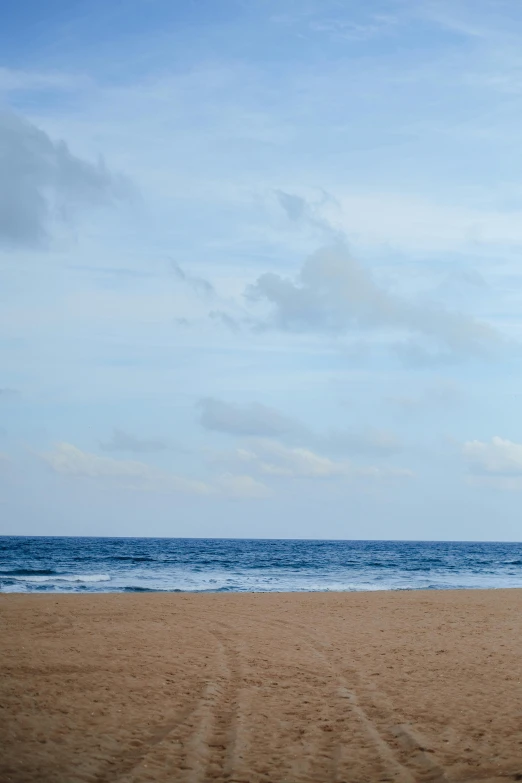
(392, 686)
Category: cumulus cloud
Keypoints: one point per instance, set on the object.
(497, 463)
(68, 460)
(41, 181)
(123, 441)
(255, 419)
(272, 458)
(333, 293)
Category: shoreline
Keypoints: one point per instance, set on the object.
(399, 685)
(227, 591)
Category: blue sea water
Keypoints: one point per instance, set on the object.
(235, 565)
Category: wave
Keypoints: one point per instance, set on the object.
(69, 578)
(29, 572)
(138, 589)
(133, 558)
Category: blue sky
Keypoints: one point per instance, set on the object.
(260, 269)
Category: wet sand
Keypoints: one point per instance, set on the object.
(404, 686)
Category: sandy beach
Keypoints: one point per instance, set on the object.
(403, 686)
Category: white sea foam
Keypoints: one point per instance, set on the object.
(65, 578)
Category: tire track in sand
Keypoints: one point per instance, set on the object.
(398, 742)
(133, 757)
(344, 699)
(392, 741)
(199, 741)
(210, 753)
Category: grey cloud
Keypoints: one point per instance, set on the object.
(334, 293)
(41, 181)
(440, 394)
(294, 206)
(371, 442)
(198, 284)
(262, 421)
(225, 319)
(413, 353)
(300, 210)
(252, 419)
(8, 394)
(123, 441)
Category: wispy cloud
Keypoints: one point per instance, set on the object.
(18, 80)
(199, 284)
(344, 29)
(231, 323)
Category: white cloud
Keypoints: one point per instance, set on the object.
(500, 457)
(241, 486)
(272, 458)
(69, 460)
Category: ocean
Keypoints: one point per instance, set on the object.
(94, 565)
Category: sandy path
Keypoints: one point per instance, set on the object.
(410, 686)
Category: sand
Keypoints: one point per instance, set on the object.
(404, 686)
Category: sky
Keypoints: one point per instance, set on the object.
(260, 269)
